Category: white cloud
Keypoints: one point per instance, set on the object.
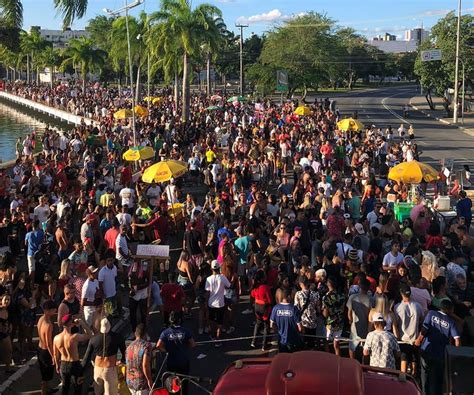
(270, 16)
(435, 12)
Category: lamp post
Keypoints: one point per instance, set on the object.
(456, 76)
(125, 9)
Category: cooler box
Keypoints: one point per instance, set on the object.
(444, 203)
(402, 211)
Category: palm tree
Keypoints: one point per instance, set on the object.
(31, 44)
(11, 11)
(83, 53)
(9, 59)
(51, 58)
(214, 39)
(191, 27)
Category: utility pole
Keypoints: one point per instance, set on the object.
(456, 76)
(242, 81)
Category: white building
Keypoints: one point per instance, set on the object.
(59, 38)
(418, 34)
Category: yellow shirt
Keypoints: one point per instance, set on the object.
(210, 156)
(105, 199)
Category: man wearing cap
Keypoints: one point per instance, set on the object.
(362, 236)
(66, 353)
(381, 345)
(103, 347)
(408, 317)
(90, 298)
(438, 329)
(215, 286)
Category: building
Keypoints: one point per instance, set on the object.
(59, 38)
(418, 34)
(396, 46)
(386, 37)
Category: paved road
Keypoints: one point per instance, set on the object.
(384, 107)
(381, 107)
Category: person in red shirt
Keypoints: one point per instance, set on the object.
(126, 175)
(261, 293)
(110, 236)
(173, 297)
(160, 225)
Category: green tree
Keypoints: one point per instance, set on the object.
(82, 52)
(193, 28)
(31, 45)
(51, 58)
(302, 47)
(11, 11)
(438, 76)
(405, 64)
(227, 59)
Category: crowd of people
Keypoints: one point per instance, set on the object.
(285, 216)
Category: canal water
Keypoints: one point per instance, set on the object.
(16, 121)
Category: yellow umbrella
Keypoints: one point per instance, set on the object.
(140, 111)
(413, 172)
(138, 153)
(302, 110)
(164, 171)
(123, 113)
(156, 100)
(350, 124)
(148, 98)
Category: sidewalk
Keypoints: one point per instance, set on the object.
(419, 103)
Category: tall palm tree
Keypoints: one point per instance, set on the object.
(191, 27)
(83, 53)
(214, 38)
(11, 11)
(50, 57)
(31, 44)
(9, 59)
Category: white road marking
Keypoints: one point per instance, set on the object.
(391, 111)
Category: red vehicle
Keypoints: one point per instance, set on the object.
(311, 372)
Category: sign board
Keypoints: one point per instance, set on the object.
(431, 55)
(153, 251)
(282, 81)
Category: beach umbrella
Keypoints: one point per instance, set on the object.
(138, 153)
(350, 124)
(302, 110)
(413, 172)
(148, 98)
(156, 100)
(214, 108)
(123, 113)
(140, 111)
(164, 171)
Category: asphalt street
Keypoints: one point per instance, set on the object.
(382, 107)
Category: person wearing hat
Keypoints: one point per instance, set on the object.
(409, 317)
(66, 353)
(381, 345)
(103, 347)
(90, 298)
(215, 286)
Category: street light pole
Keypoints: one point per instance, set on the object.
(125, 9)
(456, 76)
(242, 82)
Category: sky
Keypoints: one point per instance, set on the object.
(368, 17)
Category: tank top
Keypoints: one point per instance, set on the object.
(73, 307)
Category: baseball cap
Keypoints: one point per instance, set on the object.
(215, 265)
(405, 290)
(66, 319)
(359, 228)
(377, 317)
(104, 325)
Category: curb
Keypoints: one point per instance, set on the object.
(21, 372)
(469, 131)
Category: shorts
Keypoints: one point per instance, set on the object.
(241, 269)
(45, 362)
(31, 264)
(216, 314)
(408, 353)
(331, 334)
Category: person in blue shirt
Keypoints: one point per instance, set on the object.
(438, 329)
(225, 229)
(33, 241)
(463, 209)
(176, 341)
(285, 317)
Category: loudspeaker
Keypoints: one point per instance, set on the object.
(459, 369)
